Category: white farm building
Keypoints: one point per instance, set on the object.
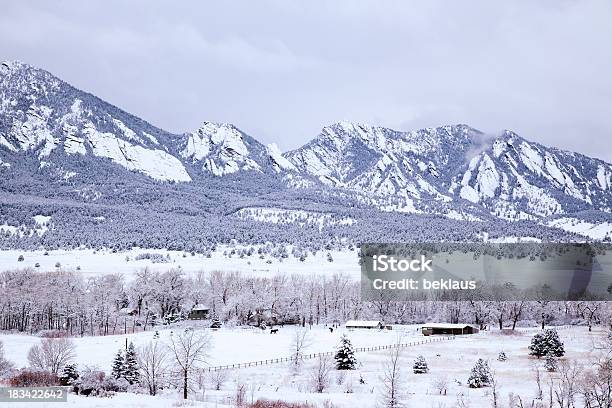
(364, 324)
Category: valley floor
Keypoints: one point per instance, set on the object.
(449, 360)
(90, 263)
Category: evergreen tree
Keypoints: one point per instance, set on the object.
(545, 343)
(480, 375)
(551, 363)
(502, 356)
(345, 356)
(69, 375)
(118, 365)
(130, 366)
(216, 323)
(420, 366)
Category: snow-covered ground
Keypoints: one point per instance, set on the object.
(594, 231)
(90, 262)
(228, 344)
(451, 360)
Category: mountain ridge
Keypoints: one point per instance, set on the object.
(92, 149)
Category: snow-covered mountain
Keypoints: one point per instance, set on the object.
(221, 148)
(62, 143)
(506, 175)
(516, 178)
(44, 116)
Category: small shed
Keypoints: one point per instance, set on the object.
(199, 312)
(364, 324)
(457, 329)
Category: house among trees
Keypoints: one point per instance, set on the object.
(457, 329)
(199, 312)
(364, 324)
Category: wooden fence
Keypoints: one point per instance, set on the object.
(330, 353)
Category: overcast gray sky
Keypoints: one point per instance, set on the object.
(281, 70)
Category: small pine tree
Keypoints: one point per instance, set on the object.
(216, 323)
(551, 363)
(69, 375)
(117, 368)
(420, 366)
(480, 375)
(345, 356)
(502, 356)
(545, 343)
(130, 366)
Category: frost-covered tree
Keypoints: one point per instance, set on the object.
(480, 375)
(130, 365)
(546, 342)
(189, 350)
(393, 391)
(5, 365)
(420, 365)
(51, 354)
(345, 356)
(502, 356)
(153, 363)
(300, 342)
(320, 373)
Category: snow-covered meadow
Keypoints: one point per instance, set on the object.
(90, 262)
(449, 363)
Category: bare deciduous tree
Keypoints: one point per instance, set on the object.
(218, 378)
(566, 388)
(393, 391)
(537, 374)
(153, 364)
(189, 351)
(320, 373)
(440, 384)
(596, 385)
(301, 341)
(52, 354)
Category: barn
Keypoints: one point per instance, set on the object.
(430, 329)
(364, 324)
(199, 312)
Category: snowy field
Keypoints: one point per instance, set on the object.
(90, 262)
(229, 345)
(451, 360)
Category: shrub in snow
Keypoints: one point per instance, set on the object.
(320, 374)
(20, 258)
(545, 343)
(93, 382)
(502, 356)
(28, 378)
(551, 363)
(69, 375)
(480, 375)
(345, 356)
(420, 366)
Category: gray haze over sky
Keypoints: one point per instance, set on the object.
(281, 70)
